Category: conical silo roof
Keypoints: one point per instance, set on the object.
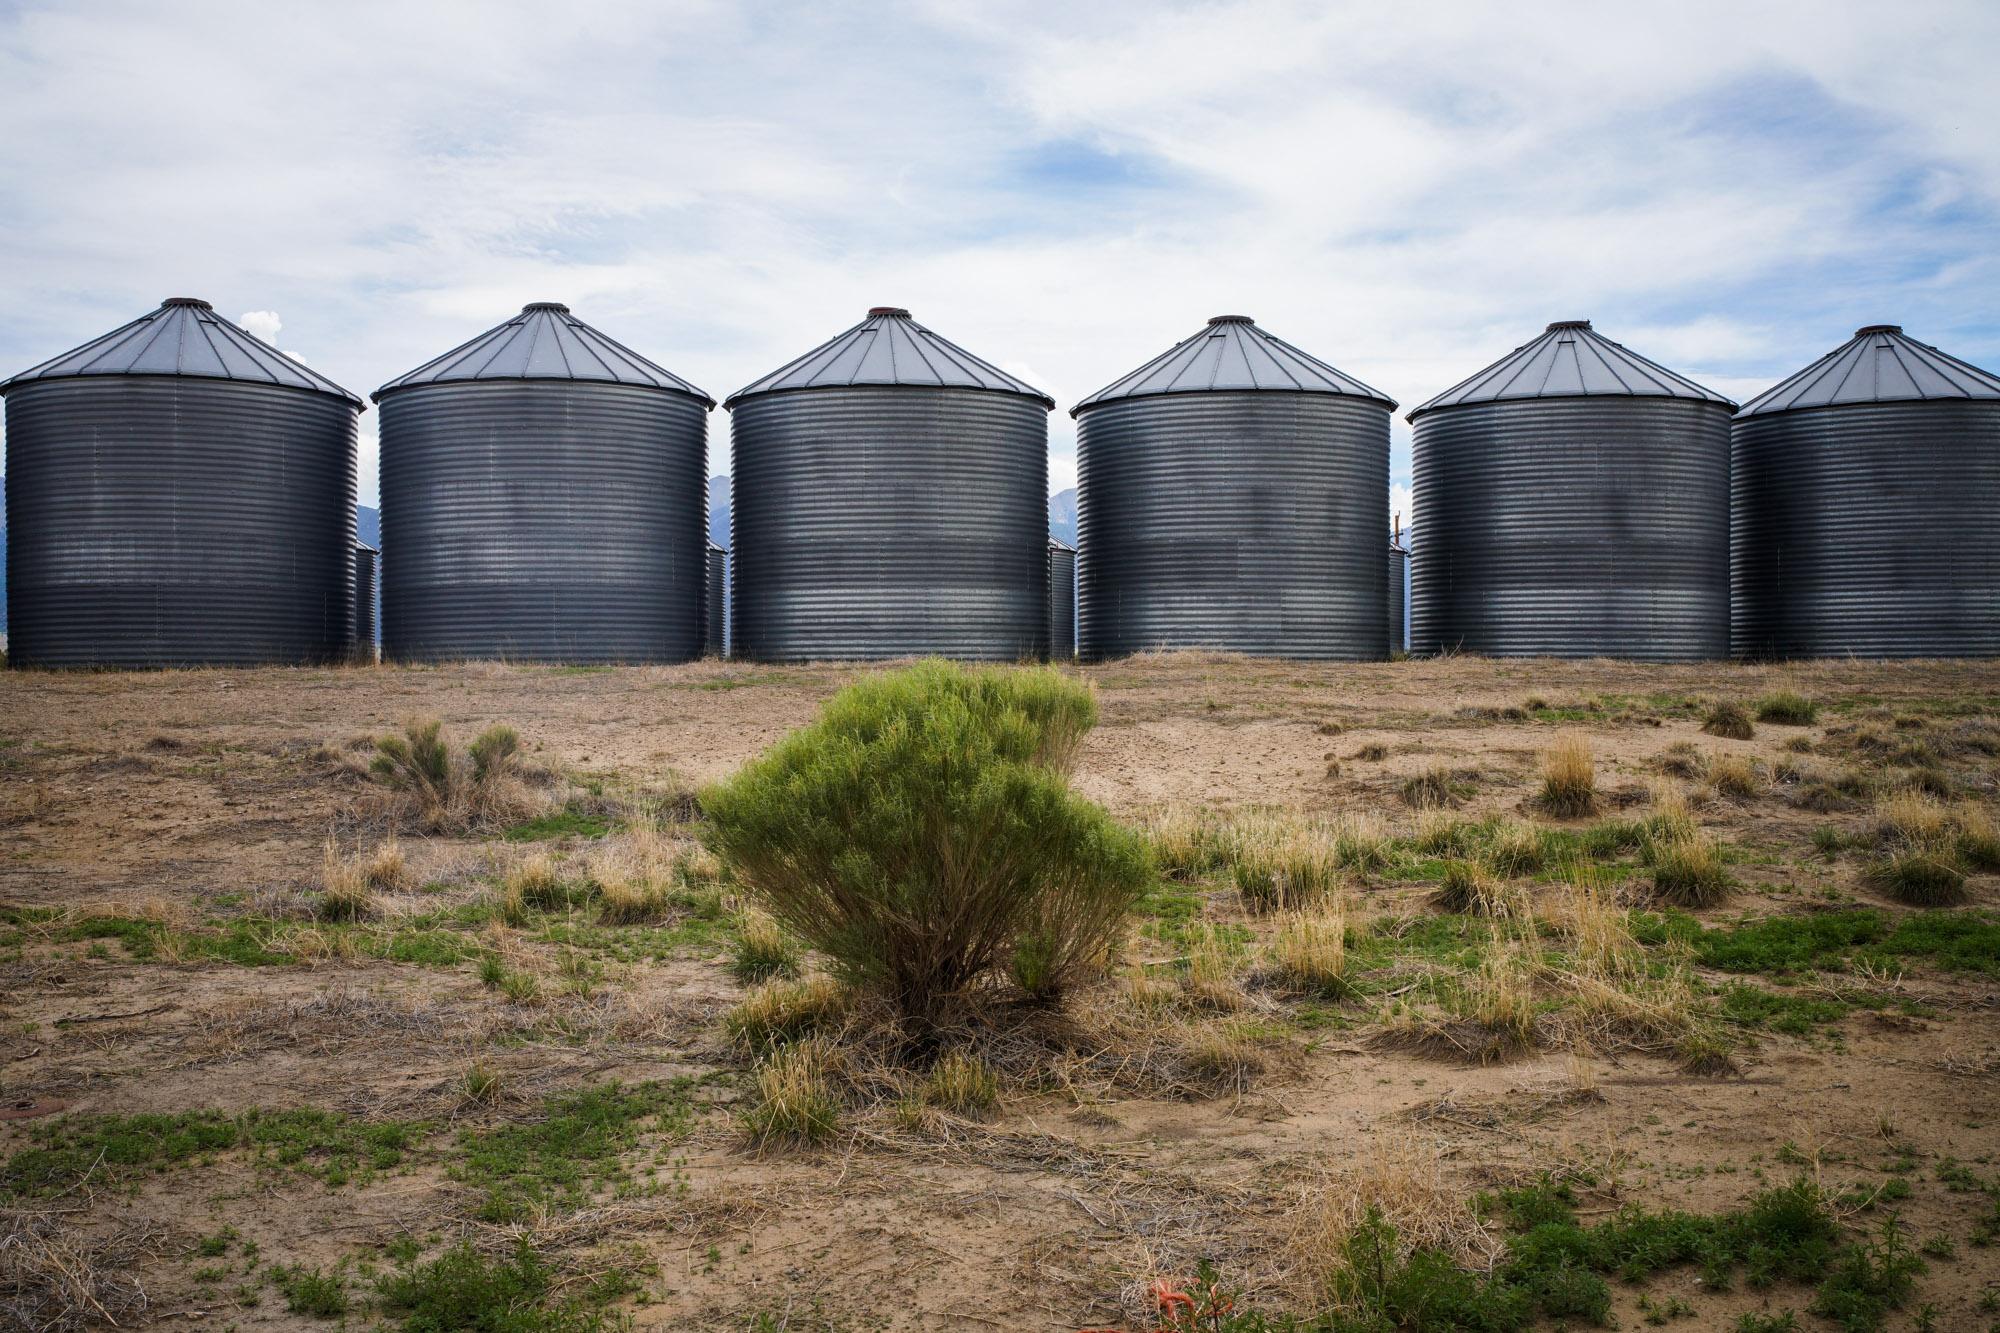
(888, 347)
(1879, 364)
(183, 337)
(1570, 360)
(1232, 355)
(544, 342)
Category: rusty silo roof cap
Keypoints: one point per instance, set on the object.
(888, 347)
(1570, 360)
(183, 337)
(1232, 355)
(1879, 364)
(545, 342)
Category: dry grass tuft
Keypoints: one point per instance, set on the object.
(1212, 979)
(1569, 777)
(1436, 788)
(344, 892)
(1310, 952)
(763, 950)
(1403, 1178)
(1735, 776)
(1188, 841)
(386, 868)
(1279, 864)
(1688, 871)
(794, 1103)
(537, 880)
(1730, 721)
(962, 1084)
(1220, 1058)
(1470, 887)
(787, 1011)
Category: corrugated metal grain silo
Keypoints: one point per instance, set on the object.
(179, 494)
(1230, 495)
(544, 499)
(890, 499)
(364, 602)
(1399, 593)
(715, 643)
(1574, 502)
(1062, 600)
(1866, 515)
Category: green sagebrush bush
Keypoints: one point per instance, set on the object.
(922, 836)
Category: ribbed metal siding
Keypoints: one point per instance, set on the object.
(1573, 527)
(1062, 603)
(887, 521)
(364, 602)
(716, 642)
(544, 521)
(1246, 522)
(1399, 588)
(1870, 530)
(177, 521)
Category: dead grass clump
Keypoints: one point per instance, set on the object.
(1787, 708)
(1310, 953)
(1912, 819)
(1978, 840)
(633, 879)
(1921, 876)
(1569, 777)
(787, 1011)
(1401, 1179)
(963, 1084)
(1735, 776)
(538, 881)
(1730, 721)
(1469, 888)
(1372, 753)
(1500, 998)
(763, 950)
(1683, 759)
(1439, 834)
(1278, 864)
(1188, 841)
(1517, 849)
(1360, 844)
(1688, 871)
(1220, 1058)
(1437, 788)
(1213, 964)
(387, 868)
(441, 791)
(344, 892)
(794, 1102)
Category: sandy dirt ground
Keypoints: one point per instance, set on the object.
(190, 800)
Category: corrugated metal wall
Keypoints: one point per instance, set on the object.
(543, 520)
(364, 602)
(1062, 602)
(879, 521)
(1247, 522)
(716, 642)
(1573, 527)
(178, 521)
(1867, 529)
(1399, 588)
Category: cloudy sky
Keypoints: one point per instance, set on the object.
(1405, 190)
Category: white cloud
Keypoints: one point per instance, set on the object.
(1405, 191)
(264, 324)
